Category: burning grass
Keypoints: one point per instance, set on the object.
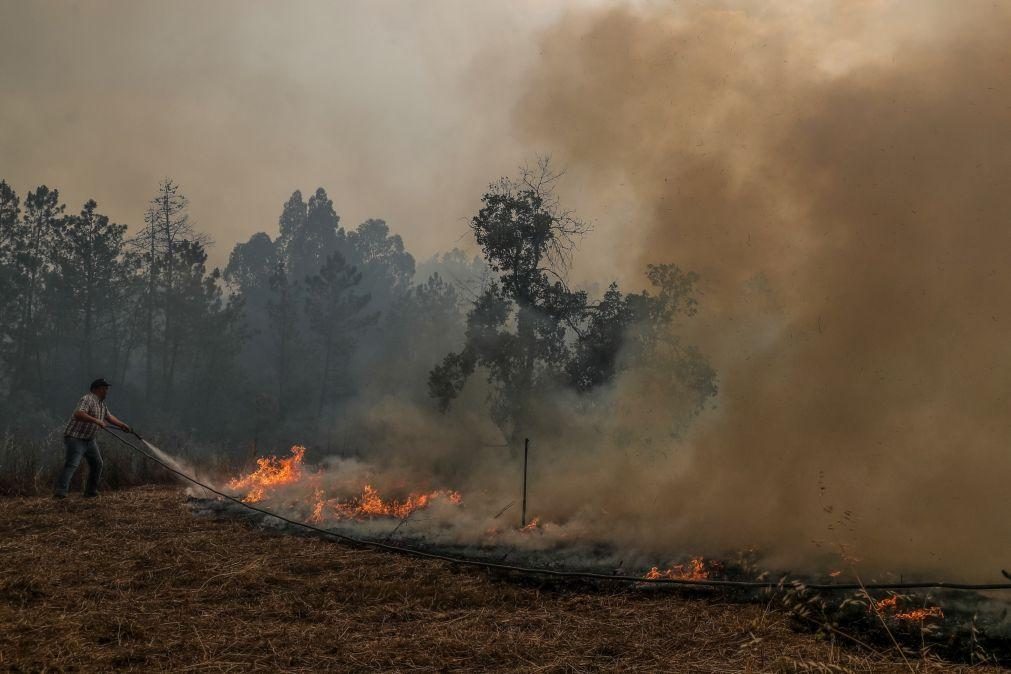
(133, 580)
(273, 473)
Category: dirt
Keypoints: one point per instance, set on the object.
(133, 580)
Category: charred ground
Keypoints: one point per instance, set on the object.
(134, 580)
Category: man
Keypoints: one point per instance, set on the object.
(79, 438)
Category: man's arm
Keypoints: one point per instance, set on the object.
(81, 415)
(116, 422)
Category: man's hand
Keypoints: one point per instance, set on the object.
(118, 423)
(102, 423)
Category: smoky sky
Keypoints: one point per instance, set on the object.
(400, 109)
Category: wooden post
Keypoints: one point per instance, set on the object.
(526, 449)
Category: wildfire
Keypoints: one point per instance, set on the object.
(693, 570)
(370, 504)
(890, 603)
(532, 525)
(273, 472)
(921, 614)
(270, 472)
(891, 606)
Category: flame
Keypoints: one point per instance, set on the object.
(921, 614)
(370, 504)
(891, 605)
(270, 472)
(532, 524)
(273, 472)
(318, 503)
(693, 570)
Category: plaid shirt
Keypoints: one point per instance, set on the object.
(85, 430)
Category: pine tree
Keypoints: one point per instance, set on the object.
(33, 251)
(167, 231)
(335, 311)
(88, 261)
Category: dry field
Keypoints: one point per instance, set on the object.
(132, 580)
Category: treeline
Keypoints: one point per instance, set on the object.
(306, 321)
(80, 299)
(292, 327)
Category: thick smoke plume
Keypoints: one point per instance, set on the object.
(838, 174)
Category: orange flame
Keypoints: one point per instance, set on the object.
(370, 504)
(270, 472)
(921, 614)
(532, 525)
(891, 605)
(318, 503)
(693, 570)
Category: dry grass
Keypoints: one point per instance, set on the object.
(28, 466)
(133, 580)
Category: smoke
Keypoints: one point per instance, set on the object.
(837, 173)
(399, 108)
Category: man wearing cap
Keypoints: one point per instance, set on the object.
(79, 438)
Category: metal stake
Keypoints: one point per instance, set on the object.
(526, 450)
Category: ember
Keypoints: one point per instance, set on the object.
(370, 504)
(921, 614)
(890, 605)
(693, 570)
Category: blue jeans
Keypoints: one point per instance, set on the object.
(77, 448)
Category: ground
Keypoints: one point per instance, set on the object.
(133, 580)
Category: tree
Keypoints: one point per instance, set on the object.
(167, 230)
(309, 233)
(532, 335)
(32, 246)
(414, 333)
(88, 260)
(272, 277)
(527, 239)
(386, 265)
(335, 310)
(283, 324)
(10, 220)
(251, 265)
(628, 331)
(203, 351)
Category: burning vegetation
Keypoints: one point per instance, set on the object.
(695, 569)
(271, 472)
(889, 608)
(289, 475)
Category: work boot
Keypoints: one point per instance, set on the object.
(59, 496)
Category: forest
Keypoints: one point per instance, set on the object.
(306, 319)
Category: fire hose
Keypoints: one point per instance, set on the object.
(555, 573)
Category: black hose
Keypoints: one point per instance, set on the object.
(588, 575)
